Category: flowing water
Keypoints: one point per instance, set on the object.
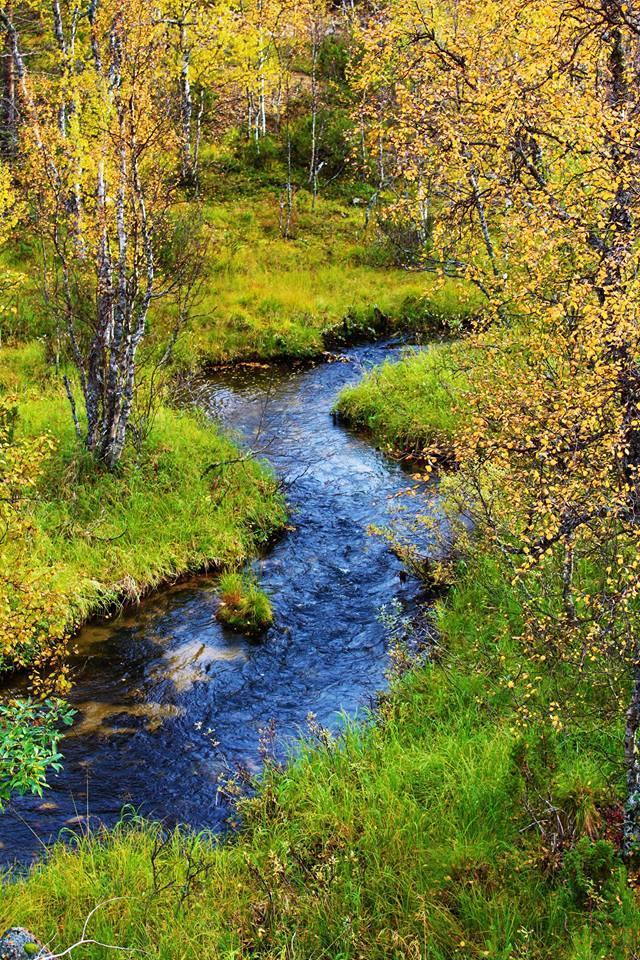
(167, 698)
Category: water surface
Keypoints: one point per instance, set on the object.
(167, 698)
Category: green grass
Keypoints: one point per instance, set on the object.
(100, 537)
(408, 404)
(243, 605)
(406, 838)
(266, 296)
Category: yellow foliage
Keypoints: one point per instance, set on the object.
(33, 619)
(517, 122)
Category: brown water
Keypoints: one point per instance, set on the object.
(167, 698)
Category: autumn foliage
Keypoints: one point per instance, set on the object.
(518, 123)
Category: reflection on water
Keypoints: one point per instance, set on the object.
(167, 698)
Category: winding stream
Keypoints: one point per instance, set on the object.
(150, 684)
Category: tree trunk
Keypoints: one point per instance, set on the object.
(631, 836)
(10, 106)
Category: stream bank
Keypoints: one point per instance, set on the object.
(168, 699)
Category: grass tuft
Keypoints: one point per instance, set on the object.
(243, 606)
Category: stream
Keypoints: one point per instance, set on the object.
(167, 698)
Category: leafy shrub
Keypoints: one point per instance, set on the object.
(334, 58)
(29, 737)
(259, 154)
(333, 131)
(589, 870)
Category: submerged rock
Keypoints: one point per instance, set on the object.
(16, 943)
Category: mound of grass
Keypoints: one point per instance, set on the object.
(406, 405)
(243, 605)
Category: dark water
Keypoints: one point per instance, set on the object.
(152, 684)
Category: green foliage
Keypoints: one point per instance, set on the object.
(243, 605)
(29, 736)
(589, 870)
(333, 59)
(333, 131)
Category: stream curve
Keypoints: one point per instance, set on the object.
(167, 698)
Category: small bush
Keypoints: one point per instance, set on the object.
(333, 129)
(259, 154)
(334, 59)
(589, 870)
(243, 605)
(29, 737)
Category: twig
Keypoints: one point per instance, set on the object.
(84, 940)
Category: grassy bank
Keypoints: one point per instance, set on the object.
(160, 517)
(406, 406)
(265, 297)
(408, 838)
(99, 538)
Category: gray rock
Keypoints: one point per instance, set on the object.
(16, 943)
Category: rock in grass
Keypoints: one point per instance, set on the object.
(16, 943)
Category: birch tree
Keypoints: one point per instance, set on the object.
(100, 152)
(318, 22)
(192, 23)
(525, 116)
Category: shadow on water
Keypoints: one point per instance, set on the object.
(167, 698)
